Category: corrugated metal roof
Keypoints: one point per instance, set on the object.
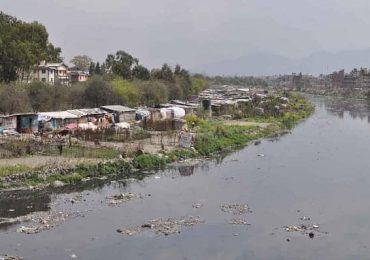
(87, 112)
(118, 108)
(58, 114)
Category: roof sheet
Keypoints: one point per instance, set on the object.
(87, 112)
(118, 108)
(58, 114)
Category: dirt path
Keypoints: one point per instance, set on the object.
(38, 161)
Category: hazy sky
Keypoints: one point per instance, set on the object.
(195, 32)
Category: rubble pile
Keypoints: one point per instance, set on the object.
(45, 221)
(165, 227)
(122, 198)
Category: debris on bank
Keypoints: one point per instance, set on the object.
(122, 198)
(165, 227)
(9, 257)
(236, 209)
(44, 221)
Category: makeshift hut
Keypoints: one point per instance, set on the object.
(121, 113)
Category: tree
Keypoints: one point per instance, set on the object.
(140, 72)
(153, 92)
(76, 96)
(99, 69)
(121, 64)
(198, 83)
(92, 68)
(53, 54)
(11, 96)
(40, 95)
(127, 93)
(22, 45)
(82, 62)
(98, 92)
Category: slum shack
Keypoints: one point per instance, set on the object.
(8, 122)
(165, 119)
(22, 123)
(223, 107)
(121, 113)
(97, 116)
(27, 123)
(190, 108)
(51, 121)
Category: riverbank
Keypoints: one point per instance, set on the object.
(212, 137)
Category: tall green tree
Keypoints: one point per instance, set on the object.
(53, 54)
(140, 72)
(82, 62)
(121, 64)
(11, 96)
(22, 45)
(40, 95)
(126, 92)
(98, 92)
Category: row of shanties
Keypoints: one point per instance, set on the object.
(70, 119)
(93, 118)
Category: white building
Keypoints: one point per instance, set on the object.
(52, 73)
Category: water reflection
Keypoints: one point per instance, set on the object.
(20, 203)
(353, 108)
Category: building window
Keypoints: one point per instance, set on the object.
(43, 79)
(43, 71)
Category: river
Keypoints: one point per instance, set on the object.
(320, 171)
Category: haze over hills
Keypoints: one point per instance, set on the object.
(267, 64)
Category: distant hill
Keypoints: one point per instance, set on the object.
(267, 64)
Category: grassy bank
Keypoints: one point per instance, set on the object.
(211, 137)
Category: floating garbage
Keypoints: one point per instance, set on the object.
(9, 257)
(45, 221)
(165, 227)
(122, 198)
(197, 205)
(236, 221)
(236, 209)
(305, 229)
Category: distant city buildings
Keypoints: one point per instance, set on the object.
(359, 79)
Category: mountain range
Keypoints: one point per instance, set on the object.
(268, 64)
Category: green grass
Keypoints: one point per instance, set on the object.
(9, 170)
(84, 152)
(149, 161)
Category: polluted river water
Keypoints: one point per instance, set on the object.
(304, 195)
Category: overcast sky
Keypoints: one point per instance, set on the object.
(195, 32)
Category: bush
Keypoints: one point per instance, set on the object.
(147, 161)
